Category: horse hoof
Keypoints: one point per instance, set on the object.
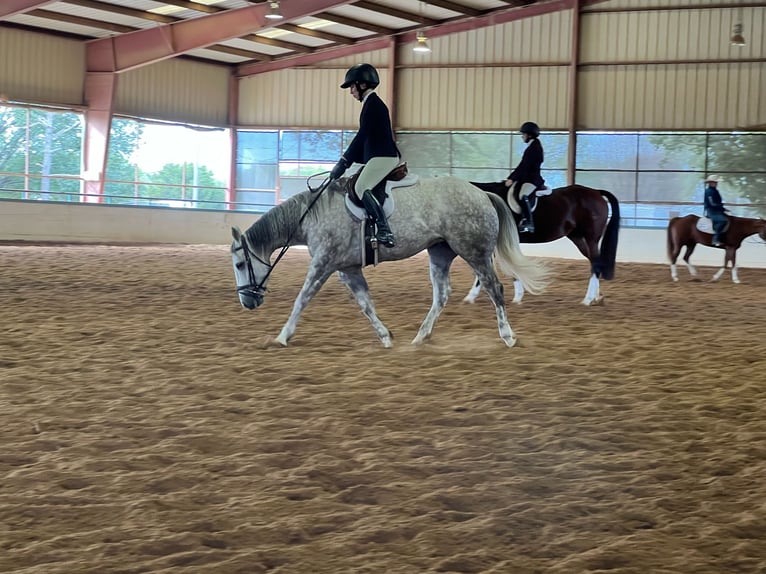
(510, 342)
(281, 342)
(387, 343)
(468, 299)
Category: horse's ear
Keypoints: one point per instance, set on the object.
(236, 233)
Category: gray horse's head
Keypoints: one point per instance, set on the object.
(251, 271)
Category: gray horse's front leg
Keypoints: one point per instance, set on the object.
(315, 278)
(357, 284)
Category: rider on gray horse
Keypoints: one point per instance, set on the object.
(526, 178)
(373, 145)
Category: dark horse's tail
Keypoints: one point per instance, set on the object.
(609, 241)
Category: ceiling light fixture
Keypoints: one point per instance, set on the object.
(737, 39)
(274, 13)
(422, 46)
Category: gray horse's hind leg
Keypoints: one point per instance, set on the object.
(357, 284)
(488, 278)
(441, 257)
(315, 278)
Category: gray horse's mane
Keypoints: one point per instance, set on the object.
(281, 221)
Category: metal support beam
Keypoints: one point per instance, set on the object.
(573, 83)
(249, 69)
(316, 34)
(355, 23)
(136, 49)
(391, 90)
(396, 13)
(12, 7)
(233, 120)
(99, 96)
(493, 19)
(454, 7)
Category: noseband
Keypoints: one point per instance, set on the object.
(254, 289)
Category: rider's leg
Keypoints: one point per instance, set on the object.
(719, 223)
(371, 175)
(527, 224)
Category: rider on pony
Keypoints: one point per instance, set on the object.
(373, 145)
(526, 178)
(714, 209)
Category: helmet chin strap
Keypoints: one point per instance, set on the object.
(360, 91)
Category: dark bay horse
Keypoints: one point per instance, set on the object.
(580, 214)
(683, 231)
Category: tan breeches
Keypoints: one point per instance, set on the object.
(526, 189)
(373, 173)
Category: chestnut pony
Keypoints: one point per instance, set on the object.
(683, 231)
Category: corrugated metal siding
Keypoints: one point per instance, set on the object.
(671, 35)
(41, 68)
(646, 4)
(546, 38)
(300, 98)
(673, 97)
(378, 58)
(482, 98)
(486, 79)
(176, 90)
(692, 90)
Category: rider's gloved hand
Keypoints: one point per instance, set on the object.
(339, 169)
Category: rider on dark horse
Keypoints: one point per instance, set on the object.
(526, 178)
(373, 145)
(714, 209)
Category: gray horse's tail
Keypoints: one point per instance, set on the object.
(533, 274)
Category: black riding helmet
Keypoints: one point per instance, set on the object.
(361, 74)
(530, 128)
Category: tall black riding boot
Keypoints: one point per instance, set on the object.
(527, 224)
(375, 210)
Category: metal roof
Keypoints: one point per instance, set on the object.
(316, 26)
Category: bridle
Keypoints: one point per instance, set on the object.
(257, 289)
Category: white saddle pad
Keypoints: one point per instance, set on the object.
(705, 225)
(360, 214)
(516, 208)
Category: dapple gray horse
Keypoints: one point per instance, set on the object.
(447, 216)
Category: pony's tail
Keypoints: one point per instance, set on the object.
(533, 274)
(608, 248)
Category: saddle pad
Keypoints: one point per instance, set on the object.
(516, 208)
(360, 214)
(543, 192)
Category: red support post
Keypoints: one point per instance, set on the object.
(99, 96)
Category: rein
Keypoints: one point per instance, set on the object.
(256, 289)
